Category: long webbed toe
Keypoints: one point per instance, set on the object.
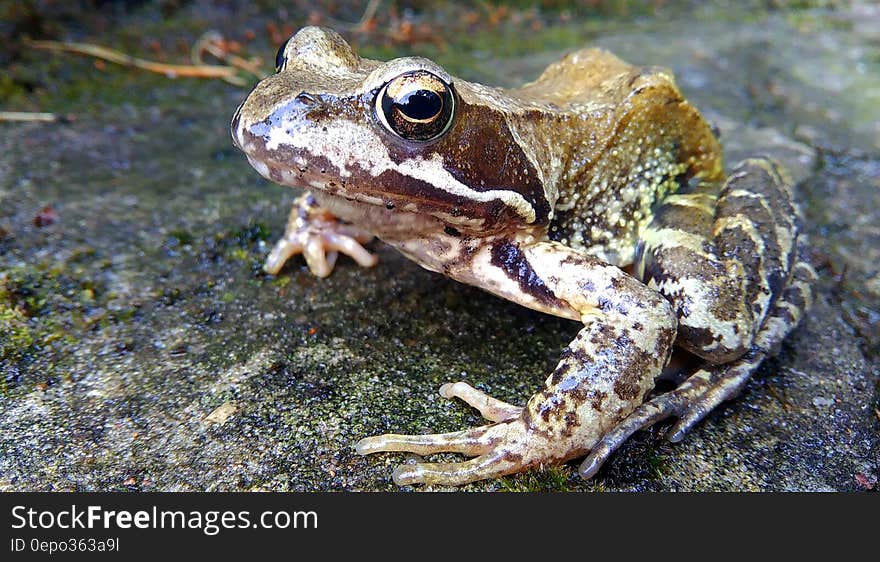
(490, 408)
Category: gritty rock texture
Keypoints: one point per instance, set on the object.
(142, 348)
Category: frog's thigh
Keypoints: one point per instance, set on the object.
(726, 381)
(754, 230)
(723, 262)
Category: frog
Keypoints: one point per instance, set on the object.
(595, 193)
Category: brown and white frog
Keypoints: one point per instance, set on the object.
(594, 193)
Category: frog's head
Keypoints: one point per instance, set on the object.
(401, 134)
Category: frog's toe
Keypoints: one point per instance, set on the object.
(724, 383)
(690, 402)
(320, 237)
(490, 408)
(313, 248)
(319, 260)
(283, 250)
(350, 246)
(470, 442)
(679, 402)
(320, 250)
(454, 474)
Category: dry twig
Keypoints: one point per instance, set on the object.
(28, 116)
(227, 73)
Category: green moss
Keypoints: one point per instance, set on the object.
(21, 288)
(45, 307)
(239, 254)
(16, 337)
(170, 296)
(251, 233)
(182, 237)
(11, 91)
(243, 237)
(549, 479)
(123, 315)
(82, 255)
(658, 465)
(42, 289)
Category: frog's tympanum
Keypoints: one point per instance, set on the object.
(594, 193)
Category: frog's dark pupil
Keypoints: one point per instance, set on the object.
(413, 113)
(420, 104)
(279, 56)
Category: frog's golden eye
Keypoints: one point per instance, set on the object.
(280, 59)
(416, 106)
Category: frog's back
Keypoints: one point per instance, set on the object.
(630, 139)
(588, 76)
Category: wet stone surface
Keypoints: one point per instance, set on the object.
(142, 348)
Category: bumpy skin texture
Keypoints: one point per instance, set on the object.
(541, 195)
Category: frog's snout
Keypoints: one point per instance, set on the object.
(258, 122)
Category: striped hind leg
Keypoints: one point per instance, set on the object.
(700, 393)
(729, 381)
(736, 260)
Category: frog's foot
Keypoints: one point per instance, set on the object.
(500, 448)
(603, 374)
(319, 236)
(491, 459)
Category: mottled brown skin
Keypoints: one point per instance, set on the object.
(542, 195)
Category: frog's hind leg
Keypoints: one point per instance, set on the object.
(757, 271)
(730, 379)
(700, 393)
(724, 263)
(603, 374)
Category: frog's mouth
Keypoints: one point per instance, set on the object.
(348, 189)
(417, 199)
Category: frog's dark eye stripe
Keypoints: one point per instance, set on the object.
(416, 106)
(280, 59)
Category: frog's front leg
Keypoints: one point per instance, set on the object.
(602, 376)
(319, 236)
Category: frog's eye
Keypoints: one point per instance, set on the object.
(416, 106)
(280, 59)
